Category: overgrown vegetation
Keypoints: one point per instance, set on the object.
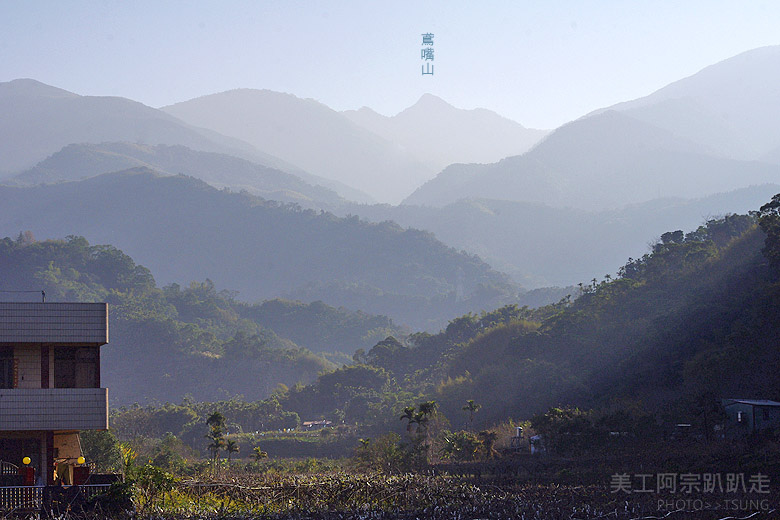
(689, 323)
(423, 425)
(171, 341)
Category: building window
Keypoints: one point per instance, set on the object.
(76, 367)
(7, 367)
(766, 414)
(14, 450)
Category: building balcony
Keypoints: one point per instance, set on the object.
(53, 323)
(23, 409)
(48, 498)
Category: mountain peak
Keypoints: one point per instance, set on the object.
(428, 101)
(365, 110)
(729, 107)
(428, 105)
(31, 87)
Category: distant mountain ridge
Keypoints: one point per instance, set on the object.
(308, 134)
(39, 120)
(82, 161)
(440, 134)
(731, 107)
(712, 132)
(183, 229)
(542, 246)
(385, 157)
(603, 161)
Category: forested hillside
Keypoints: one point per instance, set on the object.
(183, 229)
(542, 246)
(691, 322)
(694, 321)
(172, 341)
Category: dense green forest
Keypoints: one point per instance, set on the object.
(168, 342)
(692, 321)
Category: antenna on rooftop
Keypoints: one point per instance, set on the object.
(43, 293)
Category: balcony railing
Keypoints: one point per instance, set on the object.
(21, 497)
(27, 498)
(53, 409)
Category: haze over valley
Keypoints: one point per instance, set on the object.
(606, 184)
(390, 260)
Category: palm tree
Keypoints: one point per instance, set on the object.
(421, 420)
(409, 416)
(231, 447)
(216, 444)
(471, 407)
(216, 420)
(259, 454)
(428, 408)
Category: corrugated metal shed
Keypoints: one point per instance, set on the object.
(751, 402)
(56, 323)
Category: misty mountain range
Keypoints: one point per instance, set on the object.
(542, 246)
(439, 134)
(39, 120)
(709, 133)
(384, 157)
(82, 161)
(729, 108)
(548, 208)
(182, 229)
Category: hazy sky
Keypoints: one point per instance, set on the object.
(540, 63)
